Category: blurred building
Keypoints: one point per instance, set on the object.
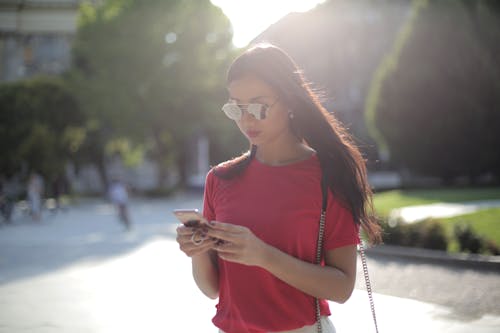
(36, 36)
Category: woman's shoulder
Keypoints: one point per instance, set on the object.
(220, 168)
(228, 169)
(217, 171)
(217, 176)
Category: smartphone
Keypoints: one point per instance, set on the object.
(190, 217)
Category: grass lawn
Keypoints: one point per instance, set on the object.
(485, 223)
(384, 202)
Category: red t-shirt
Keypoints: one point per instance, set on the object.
(281, 205)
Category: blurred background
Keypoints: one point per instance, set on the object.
(94, 93)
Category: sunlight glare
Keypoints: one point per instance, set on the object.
(250, 18)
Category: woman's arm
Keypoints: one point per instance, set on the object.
(204, 261)
(335, 281)
(206, 273)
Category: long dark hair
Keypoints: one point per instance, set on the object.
(341, 162)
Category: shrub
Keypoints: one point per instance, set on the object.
(492, 248)
(433, 236)
(467, 238)
(392, 233)
(428, 234)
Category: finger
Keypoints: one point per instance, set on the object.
(204, 221)
(184, 233)
(183, 230)
(191, 249)
(198, 237)
(227, 248)
(181, 239)
(205, 247)
(224, 235)
(185, 240)
(196, 250)
(227, 227)
(187, 231)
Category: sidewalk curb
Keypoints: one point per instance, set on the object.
(436, 256)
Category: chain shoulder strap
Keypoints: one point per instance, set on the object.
(321, 231)
(368, 283)
(319, 248)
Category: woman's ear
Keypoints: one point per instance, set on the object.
(294, 125)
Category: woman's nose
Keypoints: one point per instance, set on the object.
(247, 117)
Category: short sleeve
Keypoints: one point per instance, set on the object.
(208, 207)
(340, 229)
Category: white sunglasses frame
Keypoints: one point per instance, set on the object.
(257, 110)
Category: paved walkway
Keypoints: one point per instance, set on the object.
(413, 214)
(79, 272)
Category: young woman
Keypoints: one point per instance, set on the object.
(264, 207)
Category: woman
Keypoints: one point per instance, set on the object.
(264, 206)
(35, 193)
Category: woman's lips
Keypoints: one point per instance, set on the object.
(253, 134)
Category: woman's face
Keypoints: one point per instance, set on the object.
(250, 89)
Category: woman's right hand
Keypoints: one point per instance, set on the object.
(188, 246)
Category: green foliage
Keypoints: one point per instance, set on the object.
(41, 126)
(429, 234)
(473, 242)
(438, 110)
(132, 156)
(388, 65)
(384, 202)
(468, 240)
(438, 234)
(151, 72)
(484, 223)
(434, 236)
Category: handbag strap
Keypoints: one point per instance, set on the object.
(321, 231)
(367, 282)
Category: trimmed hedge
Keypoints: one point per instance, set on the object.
(431, 234)
(469, 241)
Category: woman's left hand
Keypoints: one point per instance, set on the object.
(239, 244)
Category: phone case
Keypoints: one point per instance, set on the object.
(189, 217)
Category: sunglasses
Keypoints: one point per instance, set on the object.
(235, 111)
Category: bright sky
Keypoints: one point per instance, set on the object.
(250, 17)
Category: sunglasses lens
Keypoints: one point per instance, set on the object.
(258, 111)
(235, 112)
(232, 111)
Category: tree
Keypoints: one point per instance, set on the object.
(150, 73)
(439, 108)
(41, 126)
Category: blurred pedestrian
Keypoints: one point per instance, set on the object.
(35, 195)
(261, 255)
(118, 195)
(6, 201)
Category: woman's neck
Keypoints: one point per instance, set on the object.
(284, 152)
